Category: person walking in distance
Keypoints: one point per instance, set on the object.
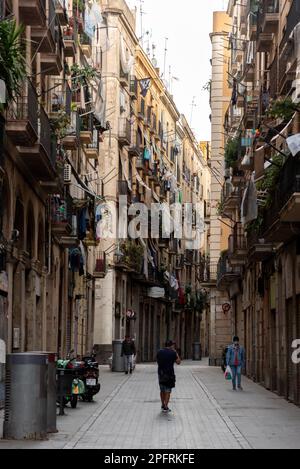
(236, 359)
(166, 358)
(128, 352)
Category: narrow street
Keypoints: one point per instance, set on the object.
(206, 415)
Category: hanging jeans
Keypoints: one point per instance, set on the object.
(128, 363)
(236, 376)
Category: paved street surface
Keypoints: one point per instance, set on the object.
(206, 414)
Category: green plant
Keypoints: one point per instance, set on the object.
(12, 57)
(271, 178)
(232, 152)
(133, 254)
(255, 225)
(82, 75)
(283, 108)
(78, 5)
(60, 124)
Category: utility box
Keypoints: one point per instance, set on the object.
(197, 351)
(51, 390)
(26, 396)
(117, 361)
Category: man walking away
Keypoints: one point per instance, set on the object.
(166, 358)
(236, 359)
(128, 352)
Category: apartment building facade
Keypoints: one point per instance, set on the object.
(260, 194)
(147, 291)
(50, 184)
(94, 122)
(220, 320)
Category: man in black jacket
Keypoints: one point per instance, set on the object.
(166, 358)
(128, 352)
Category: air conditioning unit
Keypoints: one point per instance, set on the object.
(67, 174)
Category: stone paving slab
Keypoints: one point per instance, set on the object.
(207, 414)
(266, 420)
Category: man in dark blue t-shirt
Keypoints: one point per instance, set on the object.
(166, 358)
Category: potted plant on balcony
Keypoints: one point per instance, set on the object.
(12, 59)
(283, 108)
(60, 124)
(232, 152)
(271, 178)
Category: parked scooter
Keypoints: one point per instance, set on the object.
(78, 386)
(90, 378)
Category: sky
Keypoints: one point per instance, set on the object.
(187, 25)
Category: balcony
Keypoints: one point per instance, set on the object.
(226, 273)
(124, 79)
(44, 37)
(51, 63)
(208, 273)
(238, 178)
(32, 12)
(101, 265)
(70, 35)
(135, 148)
(86, 127)
(124, 132)
(284, 212)
(133, 89)
(22, 119)
(293, 18)
(61, 12)
(71, 140)
(237, 252)
(269, 17)
(253, 26)
(60, 102)
(92, 150)
(140, 163)
(287, 72)
(61, 216)
(258, 249)
(230, 198)
(40, 158)
(264, 42)
(86, 45)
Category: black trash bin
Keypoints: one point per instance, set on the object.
(64, 379)
(197, 351)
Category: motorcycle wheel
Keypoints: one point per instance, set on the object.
(74, 402)
(90, 398)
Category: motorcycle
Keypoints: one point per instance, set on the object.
(78, 385)
(90, 379)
